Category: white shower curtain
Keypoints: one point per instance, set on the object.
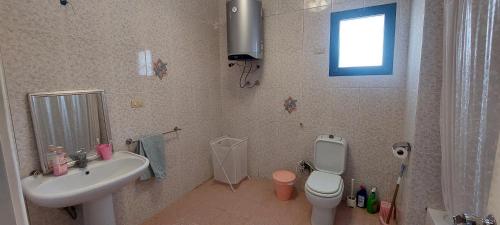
(470, 103)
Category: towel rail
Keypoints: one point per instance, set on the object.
(130, 141)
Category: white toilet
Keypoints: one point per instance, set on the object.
(324, 187)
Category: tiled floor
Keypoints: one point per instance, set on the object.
(253, 203)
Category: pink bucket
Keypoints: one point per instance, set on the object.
(283, 184)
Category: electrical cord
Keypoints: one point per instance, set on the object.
(244, 75)
(255, 83)
(244, 83)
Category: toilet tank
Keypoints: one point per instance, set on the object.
(244, 29)
(330, 154)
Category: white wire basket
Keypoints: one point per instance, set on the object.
(229, 159)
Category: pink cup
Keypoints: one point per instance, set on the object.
(60, 169)
(105, 151)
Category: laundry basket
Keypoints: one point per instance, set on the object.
(229, 159)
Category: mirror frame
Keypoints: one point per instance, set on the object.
(37, 128)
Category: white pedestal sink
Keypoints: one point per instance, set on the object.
(92, 186)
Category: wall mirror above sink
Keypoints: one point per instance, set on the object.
(78, 122)
(72, 120)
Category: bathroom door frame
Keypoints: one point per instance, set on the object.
(9, 151)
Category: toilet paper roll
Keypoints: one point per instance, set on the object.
(400, 152)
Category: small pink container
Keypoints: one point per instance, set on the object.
(59, 165)
(105, 151)
(60, 169)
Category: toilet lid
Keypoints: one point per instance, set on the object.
(324, 183)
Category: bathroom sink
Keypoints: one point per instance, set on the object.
(91, 186)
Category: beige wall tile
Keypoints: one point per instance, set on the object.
(422, 187)
(94, 44)
(494, 200)
(366, 110)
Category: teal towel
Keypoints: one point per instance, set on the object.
(153, 148)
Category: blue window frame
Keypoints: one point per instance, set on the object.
(362, 41)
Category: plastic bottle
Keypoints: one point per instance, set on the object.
(59, 166)
(361, 197)
(372, 203)
(51, 154)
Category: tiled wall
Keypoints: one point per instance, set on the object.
(7, 213)
(413, 70)
(422, 186)
(494, 201)
(366, 110)
(412, 84)
(94, 44)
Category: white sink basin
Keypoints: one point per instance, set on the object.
(85, 185)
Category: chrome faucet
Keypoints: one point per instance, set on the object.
(79, 158)
(473, 220)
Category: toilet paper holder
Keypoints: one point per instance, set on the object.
(401, 149)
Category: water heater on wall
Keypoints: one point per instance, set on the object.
(244, 29)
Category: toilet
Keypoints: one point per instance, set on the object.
(324, 187)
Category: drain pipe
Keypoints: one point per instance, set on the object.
(305, 167)
(71, 212)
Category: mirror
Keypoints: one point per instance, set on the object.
(73, 120)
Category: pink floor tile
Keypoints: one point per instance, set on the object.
(253, 203)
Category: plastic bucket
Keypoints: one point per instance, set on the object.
(283, 184)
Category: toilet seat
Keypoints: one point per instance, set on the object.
(323, 184)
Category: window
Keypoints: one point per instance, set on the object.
(145, 63)
(362, 41)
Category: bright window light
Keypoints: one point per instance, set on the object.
(145, 63)
(361, 41)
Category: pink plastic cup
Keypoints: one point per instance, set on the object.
(105, 151)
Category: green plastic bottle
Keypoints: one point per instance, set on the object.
(372, 203)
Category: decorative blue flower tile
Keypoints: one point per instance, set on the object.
(160, 69)
(290, 104)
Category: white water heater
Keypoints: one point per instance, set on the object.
(244, 29)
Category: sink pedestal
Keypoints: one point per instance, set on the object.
(99, 211)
